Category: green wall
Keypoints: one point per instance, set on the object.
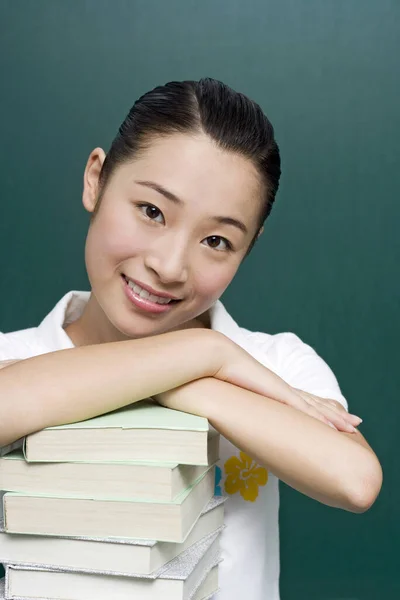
(327, 74)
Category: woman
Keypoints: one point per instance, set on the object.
(176, 205)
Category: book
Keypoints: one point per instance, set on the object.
(139, 480)
(143, 431)
(180, 580)
(122, 556)
(209, 587)
(163, 521)
(18, 444)
(206, 590)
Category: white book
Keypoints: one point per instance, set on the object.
(116, 555)
(180, 581)
(143, 431)
(206, 590)
(139, 480)
(163, 521)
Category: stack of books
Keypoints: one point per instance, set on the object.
(118, 506)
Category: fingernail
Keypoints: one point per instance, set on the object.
(358, 419)
(352, 429)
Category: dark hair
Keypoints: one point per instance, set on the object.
(232, 120)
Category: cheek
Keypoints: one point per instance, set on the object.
(110, 241)
(213, 282)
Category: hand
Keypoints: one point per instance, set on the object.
(334, 413)
(236, 366)
(243, 370)
(330, 412)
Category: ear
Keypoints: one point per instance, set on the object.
(260, 232)
(91, 179)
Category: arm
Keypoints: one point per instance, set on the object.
(318, 461)
(79, 383)
(356, 436)
(76, 384)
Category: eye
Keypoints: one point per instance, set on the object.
(216, 242)
(151, 212)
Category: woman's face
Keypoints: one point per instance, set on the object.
(176, 221)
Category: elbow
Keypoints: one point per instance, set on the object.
(365, 487)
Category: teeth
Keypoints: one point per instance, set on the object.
(145, 294)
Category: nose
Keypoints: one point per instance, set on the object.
(168, 260)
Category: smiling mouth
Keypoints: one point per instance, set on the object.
(139, 291)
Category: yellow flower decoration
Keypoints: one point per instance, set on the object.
(244, 475)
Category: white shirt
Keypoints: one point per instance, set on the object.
(250, 542)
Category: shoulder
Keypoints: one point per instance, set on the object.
(298, 363)
(271, 342)
(49, 335)
(20, 344)
(279, 346)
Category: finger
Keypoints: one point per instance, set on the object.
(298, 402)
(341, 419)
(316, 414)
(334, 417)
(306, 403)
(303, 405)
(340, 410)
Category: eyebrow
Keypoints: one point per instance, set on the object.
(231, 221)
(161, 190)
(170, 196)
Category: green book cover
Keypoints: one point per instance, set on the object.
(176, 501)
(145, 414)
(19, 455)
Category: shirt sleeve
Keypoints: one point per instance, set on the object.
(5, 349)
(10, 349)
(300, 366)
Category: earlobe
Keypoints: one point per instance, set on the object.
(91, 179)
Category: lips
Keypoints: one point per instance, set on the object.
(148, 293)
(145, 300)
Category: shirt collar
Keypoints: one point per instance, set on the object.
(222, 321)
(67, 310)
(71, 306)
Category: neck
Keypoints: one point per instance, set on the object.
(93, 326)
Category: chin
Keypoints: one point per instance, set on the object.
(131, 323)
(137, 327)
(134, 329)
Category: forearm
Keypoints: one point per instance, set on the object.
(79, 383)
(316, 460)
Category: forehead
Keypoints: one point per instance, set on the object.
(203, 175)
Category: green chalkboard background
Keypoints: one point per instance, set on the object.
(327, 74)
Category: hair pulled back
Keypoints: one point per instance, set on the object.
(235, 123)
